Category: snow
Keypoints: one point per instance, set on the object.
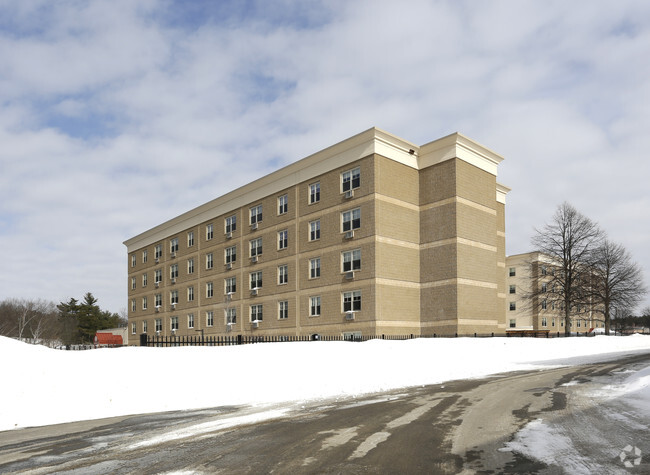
(43, 386)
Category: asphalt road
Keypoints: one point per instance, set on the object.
(457, 427)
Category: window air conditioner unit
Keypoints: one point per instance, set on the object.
(173, 306)
(173, 280)
(255, 324)
(349, 194)
(254, 259)
(157, 309)
(157, 284)
(228, 327)
(254, 291)
(254, 226)
(229, 266)
(173, 255)
(349, 316)
(228, 296)
(349, 234)
(349, 275)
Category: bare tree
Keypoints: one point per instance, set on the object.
(617, 280)
(568, 242)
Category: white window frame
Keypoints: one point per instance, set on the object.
(145, 326)
(158, 251)
(158, 300)
(190, 266)
(209, 232)
(133, 260)
(173, 271)
(351, 301)
(133, 284)
(144, 303)
(255, 280)
(173, 323)
(315, 306)
(173, 245)
(257, 312)
(209, 261)
(256, 247)
(144, 256)
(314, 230)
(144, 279)
(283, 274)
(351, 260)
(351, 220)
(351, 179)
(283, 310)
(283, 204)
(209, 318)
(209, 290)
(190, 294)
(230, 255)
(314, 268)
(173, 297)
(190, 238)
(231, 315)
(158, 325)
(314, 192)
(230, 285)
(134, 328)
(256, 214)
(190, 320)
(283, 239)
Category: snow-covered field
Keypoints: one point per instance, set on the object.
(42, 386)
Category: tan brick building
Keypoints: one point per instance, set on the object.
(527, 310)
(374, 235)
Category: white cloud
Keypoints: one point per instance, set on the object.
(119, 115)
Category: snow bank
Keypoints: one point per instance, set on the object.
(43, 386)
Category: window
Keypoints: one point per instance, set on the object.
(144, 303)
(283, 309)
(144, 280)
(544, 322)
(231, 316)
(256, 313)
(190, 239)
(133, 260)
(209, 290)
(133, 305)
(283, 274)
(132, 283)
(283, 204)
(190, 294)
(134, 328)
(158, 253)
(174, 323)
(283, 239)
(352, 301)
(512, 272)
(158, 299)
(190, 320)
(173, 297)
(552, 322)
(314, 230)
(144, 326)
(256, 280)
(231, 254)
(209, 232)
(256, 247)
(209, 318)
(544, 270)
(314, 268)
(231, 224)
(173, 271)
(144, 256)
(513, 289)
(513, 323)
(231, 285)
(314, 306)
(158, 276)
(351, 219)
(173, 245)
(209, 262)
(158, 325)
(544, 287)
(578, 324)
(190, 266)
(513, 306)
(256, 214)
(314, 193)
(351, 179)
(351, 260)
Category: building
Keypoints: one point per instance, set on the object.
(534, 311)
(112, 337)
(373, 235)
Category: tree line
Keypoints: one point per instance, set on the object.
(589, 272)
(67, 323)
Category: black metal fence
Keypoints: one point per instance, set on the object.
(167, 341)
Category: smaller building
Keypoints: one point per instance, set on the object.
(111, 337)
(532, 311)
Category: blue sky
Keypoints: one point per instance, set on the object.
(118, 115)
